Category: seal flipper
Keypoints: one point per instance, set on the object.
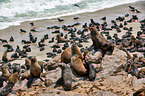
(59, 82)
(30, 81)
(92, 73)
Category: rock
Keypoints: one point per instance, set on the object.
(110, 63)
(52, 64)
(96, 58)
(102, 93)
(48, 82)
(55, 92)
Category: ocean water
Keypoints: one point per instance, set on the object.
(13, 12)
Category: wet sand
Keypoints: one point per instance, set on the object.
(110, 13)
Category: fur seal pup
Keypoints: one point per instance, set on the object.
(66, 77)
(13, 79)
(4, 57)
(22, 30)
(11, 39)
(35, 71)
(60, 39)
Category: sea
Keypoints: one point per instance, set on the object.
(13, 12)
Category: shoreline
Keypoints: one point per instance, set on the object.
(110, 13)
(63, 16)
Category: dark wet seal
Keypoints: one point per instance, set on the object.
(66, 77)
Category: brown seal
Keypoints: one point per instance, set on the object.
(66, 55)
(35, 71)
(14, 78)
(75, 50)
(5, 75)
(60, 39)
(5, 72)
(99, 42)
(27, 63)
(76, 60)
(77, 65)
(4, 57)
(35, 68)
(25, 75)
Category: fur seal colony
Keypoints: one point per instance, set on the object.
(73, 57)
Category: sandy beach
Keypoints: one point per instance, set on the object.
(110, 13)
(41, 26)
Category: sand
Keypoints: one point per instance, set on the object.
(110, 13)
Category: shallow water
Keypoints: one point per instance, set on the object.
(110, 13)
(13, 12)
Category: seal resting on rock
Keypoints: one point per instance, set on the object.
(27, 63)
(25, 75)
(66, 55)
(99, 42)
(77, 65)
(76, 60)
(13, 79)
(66, 77)
(5, 75)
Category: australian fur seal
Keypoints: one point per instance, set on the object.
(35, 71)
(66, 77)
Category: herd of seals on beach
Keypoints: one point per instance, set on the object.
(74, 59)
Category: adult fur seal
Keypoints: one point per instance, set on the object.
(99, 42)
(25, 75)
(76, 60)
(27, 63)
(13, 79)
(77, 65)
(4, 77)
(75, 50)
(66, 55)
(60, 39)
(5, 58)
(35, 71)
(66, 77)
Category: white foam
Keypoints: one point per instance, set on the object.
(18, 11)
